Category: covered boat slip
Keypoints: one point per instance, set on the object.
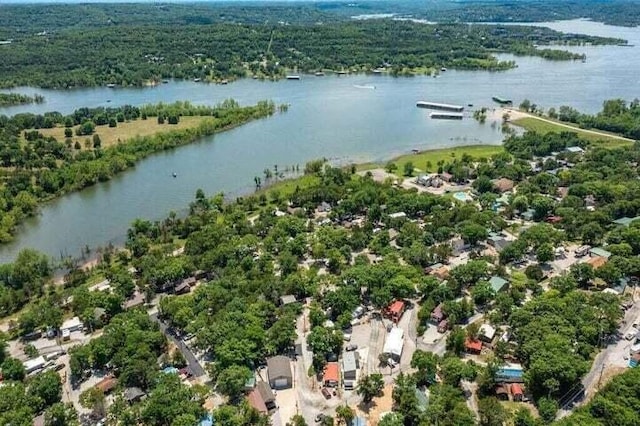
(439, 106)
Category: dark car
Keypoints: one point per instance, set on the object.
(351, 347)
(326, 393)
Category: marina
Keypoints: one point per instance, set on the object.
(446, 116)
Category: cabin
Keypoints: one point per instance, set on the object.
(437, 315)
(443, 326)
(133, 395)
(107, 384)
(266, 394)
(502, 392)
(255, 401)
(486, 333)
(349, 365)
(498, 284)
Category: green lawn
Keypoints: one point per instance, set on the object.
(540, 126)
(420, 159)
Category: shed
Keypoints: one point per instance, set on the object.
(133, 394)
(182, 288)
(287, 299)
(626, 221)
(574, 150)
(394, 343)
(266, 394)
(331, 374)
(279, 372)
(498, 284)
(349, 365)
(398, 215)
(517, 392)
(502, 392)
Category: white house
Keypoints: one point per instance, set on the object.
(72, 324)
(394, 343)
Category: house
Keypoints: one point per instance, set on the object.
(502, 392)
(498, 284)
(447, 177)
(107, 384)
(279, 372)
(443, 326)
(437, 315)
(599, 251)
(34, 364)
(255, 400)
(394, 343)
(266, 394)
(287, 299)
(512, 373)
(395, 310)
(349, 365)
(133, 395)
(473, 346)
(323, 207)
(503, 184)
(458, 245)
(331, 374)
(486, 333)
(182, 288)
(517, 392)
(442, 273)
(134, 302)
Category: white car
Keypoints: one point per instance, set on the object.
(631, 334)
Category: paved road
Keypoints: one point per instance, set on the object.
(192, 362)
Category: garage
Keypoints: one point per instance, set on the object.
(279, 372)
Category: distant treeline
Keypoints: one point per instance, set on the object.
(135, 54)
(617, 116)
(9, 99)
(36, 168)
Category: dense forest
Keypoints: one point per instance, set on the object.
(9, 99)
(36, 168)
(138, 54)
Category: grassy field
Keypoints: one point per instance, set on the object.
(420, 159)
(112, 135)
(540, 126)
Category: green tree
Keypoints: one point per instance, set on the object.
(370, 386)
(46, 389)
(455, 340)
(60, 414)
(547, 408)
(345, 414)
(231, 381)
(453, 370)
(391, 167)
(12, 369)
(491, 412)
(93, 399)
(427, 364)
(408, 168)
(545, 253)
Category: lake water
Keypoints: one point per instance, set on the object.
(339, 118)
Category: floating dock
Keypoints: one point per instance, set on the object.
(441, 107)
(446, 115)
(502, 101)
(293, 77)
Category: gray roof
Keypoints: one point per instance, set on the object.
(599, 251)
(498, 283)
(287, 299)
(265, 392)
(133, 393)
(278, 367)
(349, 361)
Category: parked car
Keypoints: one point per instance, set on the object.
(351, 347)
(346, 337)
(392, 363)
(326, 393)
(631, 334)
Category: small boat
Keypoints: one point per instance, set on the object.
(502, 101)
(196, 80)
(319, 74)
(175, 175)
(293, 77)
(165, 81)
(365, 86)
(443, 69)
(224, 82)
(111, 85)
(108, 100)
(469, 105)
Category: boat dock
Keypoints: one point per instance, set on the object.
(446, 115)
(441, 107)
(293, 77)
(502, 101)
